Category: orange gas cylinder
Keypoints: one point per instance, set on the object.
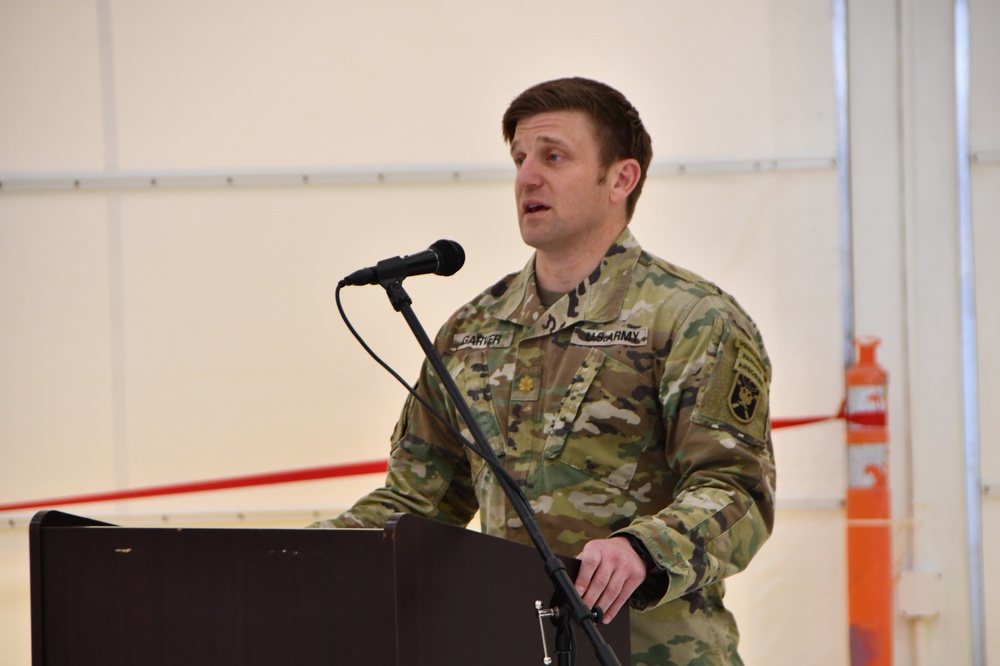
(869, 534)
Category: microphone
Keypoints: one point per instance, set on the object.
(444, 257)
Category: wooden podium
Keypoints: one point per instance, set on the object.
(418, 593)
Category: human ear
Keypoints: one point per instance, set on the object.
(625, 181)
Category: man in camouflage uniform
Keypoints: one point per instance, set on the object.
(628, 397)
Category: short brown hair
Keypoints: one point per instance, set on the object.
(620, 132)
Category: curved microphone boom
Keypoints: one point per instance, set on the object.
(444, 257)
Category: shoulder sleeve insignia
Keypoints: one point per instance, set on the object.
(735, 396)
(745, 393)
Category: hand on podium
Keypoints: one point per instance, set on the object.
(610, 571)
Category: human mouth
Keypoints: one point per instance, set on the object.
(531, 207)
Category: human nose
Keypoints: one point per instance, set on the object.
(527, 174)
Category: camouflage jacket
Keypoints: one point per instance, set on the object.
(636, 404)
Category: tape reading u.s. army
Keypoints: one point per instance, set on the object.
(482, 340)
(635, 337)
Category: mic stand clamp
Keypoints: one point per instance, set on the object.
(556, 617)
(558, 614)
(575, 610)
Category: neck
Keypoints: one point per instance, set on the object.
(560, 270)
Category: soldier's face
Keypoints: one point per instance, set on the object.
(562, 192)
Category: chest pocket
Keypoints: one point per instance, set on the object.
(586, 433)
(569, 409)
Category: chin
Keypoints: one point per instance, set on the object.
(527, 237)
(532, 241)
(535, 235)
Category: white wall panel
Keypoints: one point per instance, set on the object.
(984, 89)
(50, 107)
(986, 218)
(985, 136)
(56, 431)
(206, 84)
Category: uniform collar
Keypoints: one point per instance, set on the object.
(598, 299)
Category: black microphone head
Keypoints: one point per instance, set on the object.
(451, 257)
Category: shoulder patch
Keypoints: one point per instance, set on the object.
(735, 397)
(748, 380)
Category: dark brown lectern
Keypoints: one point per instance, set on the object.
(417, 593)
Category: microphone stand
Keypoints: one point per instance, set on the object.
(554, 567)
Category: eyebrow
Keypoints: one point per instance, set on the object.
(543, 139)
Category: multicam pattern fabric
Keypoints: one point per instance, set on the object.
(636, 404)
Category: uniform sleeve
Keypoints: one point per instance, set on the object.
(714, 394)
(428, 474)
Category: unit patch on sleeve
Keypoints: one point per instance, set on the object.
(735, 396)
(744, 395)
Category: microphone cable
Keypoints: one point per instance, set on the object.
(490, 457)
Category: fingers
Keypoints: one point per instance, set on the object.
(610, 571)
